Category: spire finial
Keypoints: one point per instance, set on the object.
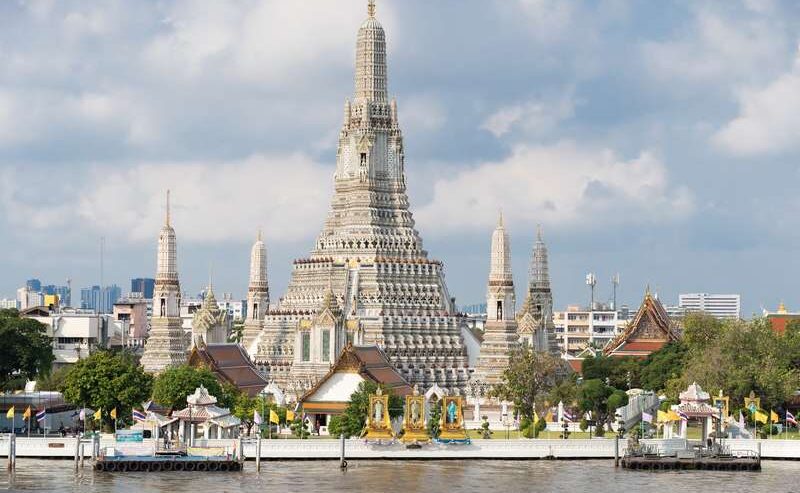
(500, 219)
(258, 237)
(167, 217)
(371, 8)
(539, 232)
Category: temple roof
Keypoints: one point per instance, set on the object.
(229, 363)
(648, 332)
(370, 363)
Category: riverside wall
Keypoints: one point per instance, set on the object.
(315, 449)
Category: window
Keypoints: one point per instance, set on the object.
(326, 345)
(499, 310)
(363, 159)
(163, 307)
(255, 311)
(351, 337)
(306, 343)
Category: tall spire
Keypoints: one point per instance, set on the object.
(539, 272)
(371, 60)
(166, 219)
(501, 254)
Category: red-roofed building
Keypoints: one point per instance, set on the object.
(230, 364)
(780, 318)
(650, 330)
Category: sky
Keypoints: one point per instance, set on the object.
(658, 140)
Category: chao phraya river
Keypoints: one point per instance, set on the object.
(405, 477)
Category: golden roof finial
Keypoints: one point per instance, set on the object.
(258, 238)
(782, 308)
(371, 8)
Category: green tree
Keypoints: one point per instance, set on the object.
(354, 419)
(622, 373)
(701, 330)
(527, 380)
(434, 418)
(54, 380)
(565, 391)
(26, 351)
(107, 380)
(662, 365)
(594, 396)
(176, 383)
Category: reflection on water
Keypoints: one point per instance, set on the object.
(399, 476)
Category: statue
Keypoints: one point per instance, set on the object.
(378, 412)
(378, 424)
(415, 414)
(451, 412)
(452, 419)
(414, 421)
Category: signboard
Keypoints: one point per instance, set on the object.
(129, 436)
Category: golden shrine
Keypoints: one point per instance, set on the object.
(722, 402)
(452, 419)
(379, 426)
(414, 421)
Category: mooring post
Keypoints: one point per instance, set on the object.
(342, 461)
(12, 452)
(758, 449)
(258, 453)
(241, 449)
(616, 452)
(95, 443)
(77, 451)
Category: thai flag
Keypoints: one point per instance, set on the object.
(138, 415)
(41, 415)
(790, 418)
(683, 415)
(568, 416)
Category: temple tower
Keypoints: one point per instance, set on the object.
(500, 332)
(257, 294)
(535, 319)
(165, 344)
(388, 291)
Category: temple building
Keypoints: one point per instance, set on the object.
(650, 330)
(535, 319)
(368, 280)
(355, 364)
(210, 324)
(257, 294)
(230, 364)
(165, 344)
(500, 331)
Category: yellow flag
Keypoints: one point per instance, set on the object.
(97, 414)
(662, 416)
(673, 416)
(113, 413)
(548, 418)
(760, 417)
(535, 417)
(289, 415)
(27, 413)
(273, 416)
(10, 413)
(773, 416)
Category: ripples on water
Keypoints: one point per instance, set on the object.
(404, 477)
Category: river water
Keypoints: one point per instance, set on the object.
(404, 476)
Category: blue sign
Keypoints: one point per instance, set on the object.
(129, 436)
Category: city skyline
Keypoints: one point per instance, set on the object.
(650, 163)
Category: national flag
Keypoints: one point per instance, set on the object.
(10, 413)
(289, 415)
(773, 417)
(257, 418)
(647, 417)
(273, 416)
(113, 413)
(662, 416)
(98, 414)
(682, 415)
(567, 416)
(760, 417)
(138, 415)
(790, 418)
(41, 415)
(27, 413)
(82, 415)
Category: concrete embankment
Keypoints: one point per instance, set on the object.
(312, 449)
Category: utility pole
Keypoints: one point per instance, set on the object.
(591, 281)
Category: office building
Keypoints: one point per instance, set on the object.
(719, 305)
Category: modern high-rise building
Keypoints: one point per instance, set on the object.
(34, 285)
(64, 293)
(143, 285)
(726, 306)
(101, 300)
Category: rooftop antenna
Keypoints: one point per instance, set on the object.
(591, 281)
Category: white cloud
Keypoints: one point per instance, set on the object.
(768, 120)
(422, 112)
(717, 47)
(561, 184)
(533, 117)
(212, 202)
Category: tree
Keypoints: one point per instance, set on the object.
(176, 383)
(701, 330)
(622, 373)
(107, 380)
(354, 419)
(26, 351)
(527, 380)
(662, 365)
(594, 396)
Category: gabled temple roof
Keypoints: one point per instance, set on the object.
(648, 332)
(230, 363)
(371, 364)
